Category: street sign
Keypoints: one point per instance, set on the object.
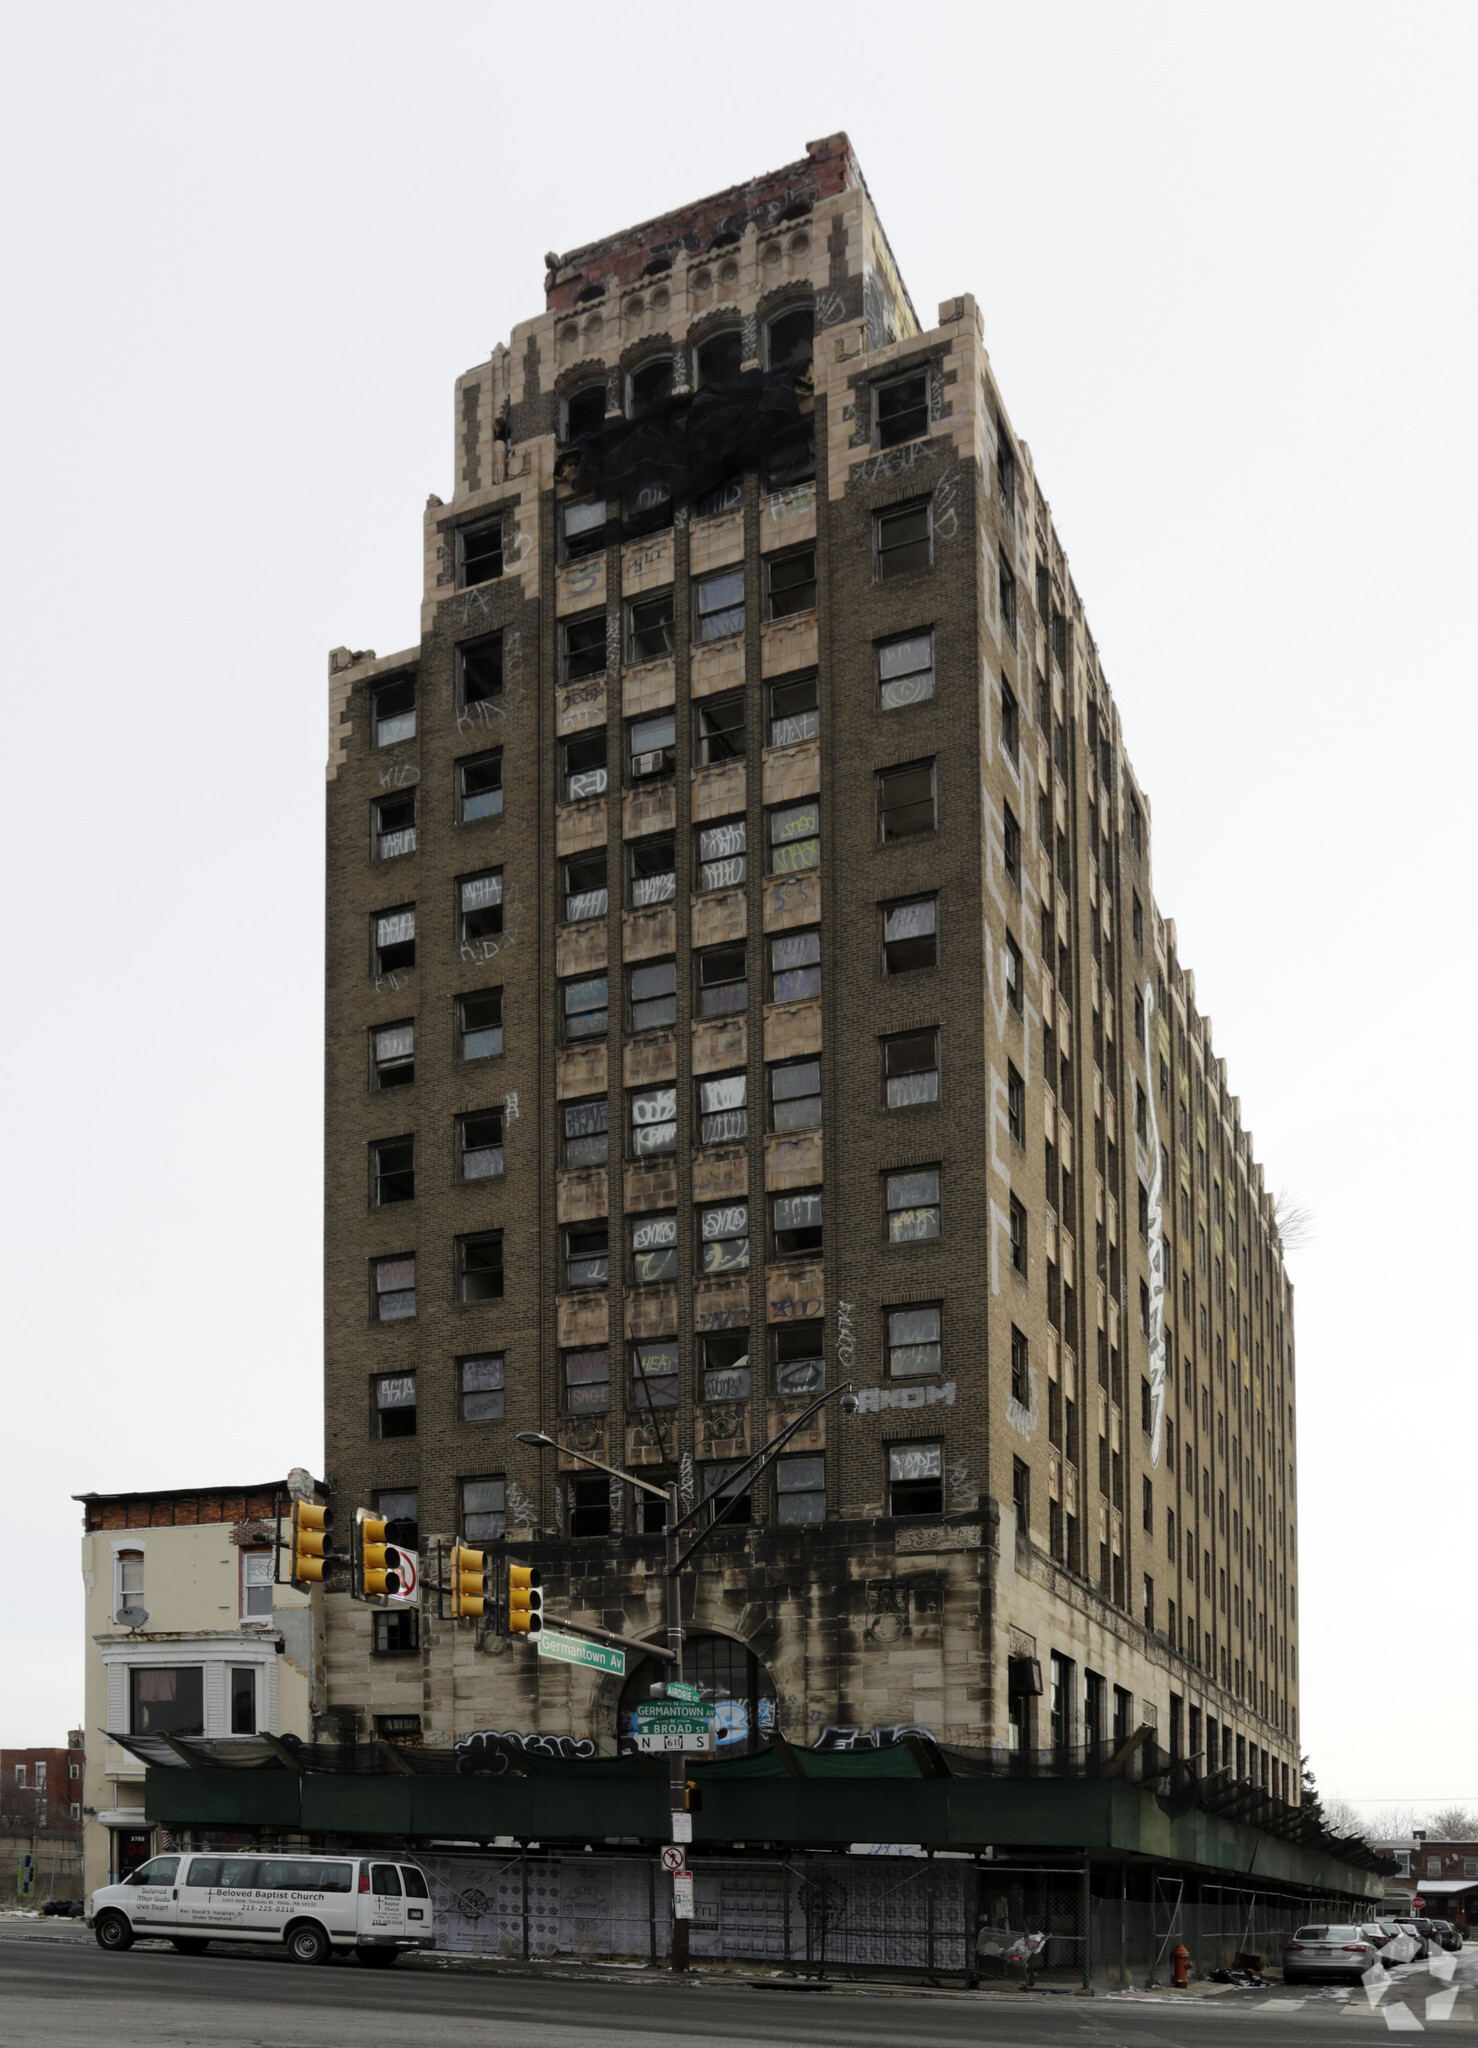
(576, 1650)
(679, 1689)
(1418, 1905)
(673, 1856)
(667, 1742)
(682, 1827)
(671, 1714)
(682, 1895)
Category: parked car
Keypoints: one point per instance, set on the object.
(1448, 1935)
(1413, 1928)
(1427, 1929)
(1398, 1946)
(1322, 1954)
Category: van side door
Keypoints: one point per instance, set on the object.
(382, 1908)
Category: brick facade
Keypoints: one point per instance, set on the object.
(1038, 851)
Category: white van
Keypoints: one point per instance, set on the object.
(374, 1905)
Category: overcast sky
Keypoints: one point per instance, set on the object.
(1224, 257)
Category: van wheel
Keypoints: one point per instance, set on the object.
(307, 1943)
(113, 1932)
(189, 1944)
(375, 1958)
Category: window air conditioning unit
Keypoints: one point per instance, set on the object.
(643, 765)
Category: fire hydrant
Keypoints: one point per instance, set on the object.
(1180, 1955)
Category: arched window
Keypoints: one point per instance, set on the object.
(128, 1580)
(648, 386)
(789, 339)
(585, 410)
(719, 359)
(735, 1686)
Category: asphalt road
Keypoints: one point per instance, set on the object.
(71, 1995)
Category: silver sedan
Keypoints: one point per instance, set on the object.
(1326, 1954)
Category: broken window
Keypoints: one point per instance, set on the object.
(794, 712)
(723, 1114)
(393, 1171)
(585, 766)
(652, 870)
(718, 730)
(583, 525)
(719, 1483)
(651, 746)
(723, 1229)
(795, 1095)
(800, 1489)
(394, 1288)
(395, 1404)
(649, 628)
(718, 607)
(789, 342)
(653, 1250)
(395, 711)
(654, 1371)
(790, 456)
(587, 1133)
(395, 939)
(723, 981)
(795, 966)
(1021, 1373)
(586, 1007)
(721, 857)
(480, 901)
(913, 1341)
(480, 1267)
(1011, 843)
(1008, 597)
(480, 786)
(480, 1144)
(901, 409)
(905, 670)
(653, 1122)
(652, 995)
(587, 1254)
(1018, 1238)
(906, 801)
(585, 410)
(585, 887)
(479, 553)
(795, 837)
(915, 1479)
(911, 1069)
(910, 934)
(584, 647)
(1015, 1104)
(797, 1224)
(790, 582)
(646, 505)
(903, 540)
(590, 1502)
(800, 1367)
(1005, 466)
(648, 386)
(480, 1024)
(720, 359)
(588, 1382)
(726, 1366)
(395, 826)
(396, 1634)
(480, 670)
(484, 1510)
(393, 1055)
(912, 1205)
(1013, 965)
(480, 1385)
(727, 496)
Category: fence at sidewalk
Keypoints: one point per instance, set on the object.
(951, 1917)
(813, 1913)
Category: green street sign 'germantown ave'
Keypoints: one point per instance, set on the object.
(575, 1650)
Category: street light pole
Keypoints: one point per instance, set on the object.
(677, 1769)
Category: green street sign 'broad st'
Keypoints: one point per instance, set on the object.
(576, 1650)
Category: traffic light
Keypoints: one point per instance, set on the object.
(378, 1577)
(312, 1546)
(469, 1571)
(692, 1796)
(525, 1601)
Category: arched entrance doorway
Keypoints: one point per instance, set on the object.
(732, 1680)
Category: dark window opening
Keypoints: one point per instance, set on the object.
(480, 1024)
(649, 628)
(902, 410)
(395, 1405)
(649, 386)
(480, 1144)
(393, 1165)
(915, 1479)
(910, 934)
(797, 1225)
(585, 411)
(723, 981)
(794, 711)
(480, 666)
(800, 1367)
(480, 781)
(480, 1267)
(587, 1254)
(903, 540)
(789, 338)
(790, 582)
(585, 887)
(395, 827)
(652, 870)
(585, 767)
(911, 1069)
(584, 647)
(395, 711)
(590, 1505)
(394, 1055)
(906, 801)
(480, 553)
(395, 939)
(726, 1366)
(720, 359)
(718, 730)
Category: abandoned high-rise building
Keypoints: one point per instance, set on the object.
(744, 973)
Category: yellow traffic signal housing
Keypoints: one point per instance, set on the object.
(692, 1796)
(377, 1559)
(313, 1547)
(469, 1568)
(525, 1601)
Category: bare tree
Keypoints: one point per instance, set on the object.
(1392, 1823)
(1341, 1818)
(1293, 1220)
(1453, 1824)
